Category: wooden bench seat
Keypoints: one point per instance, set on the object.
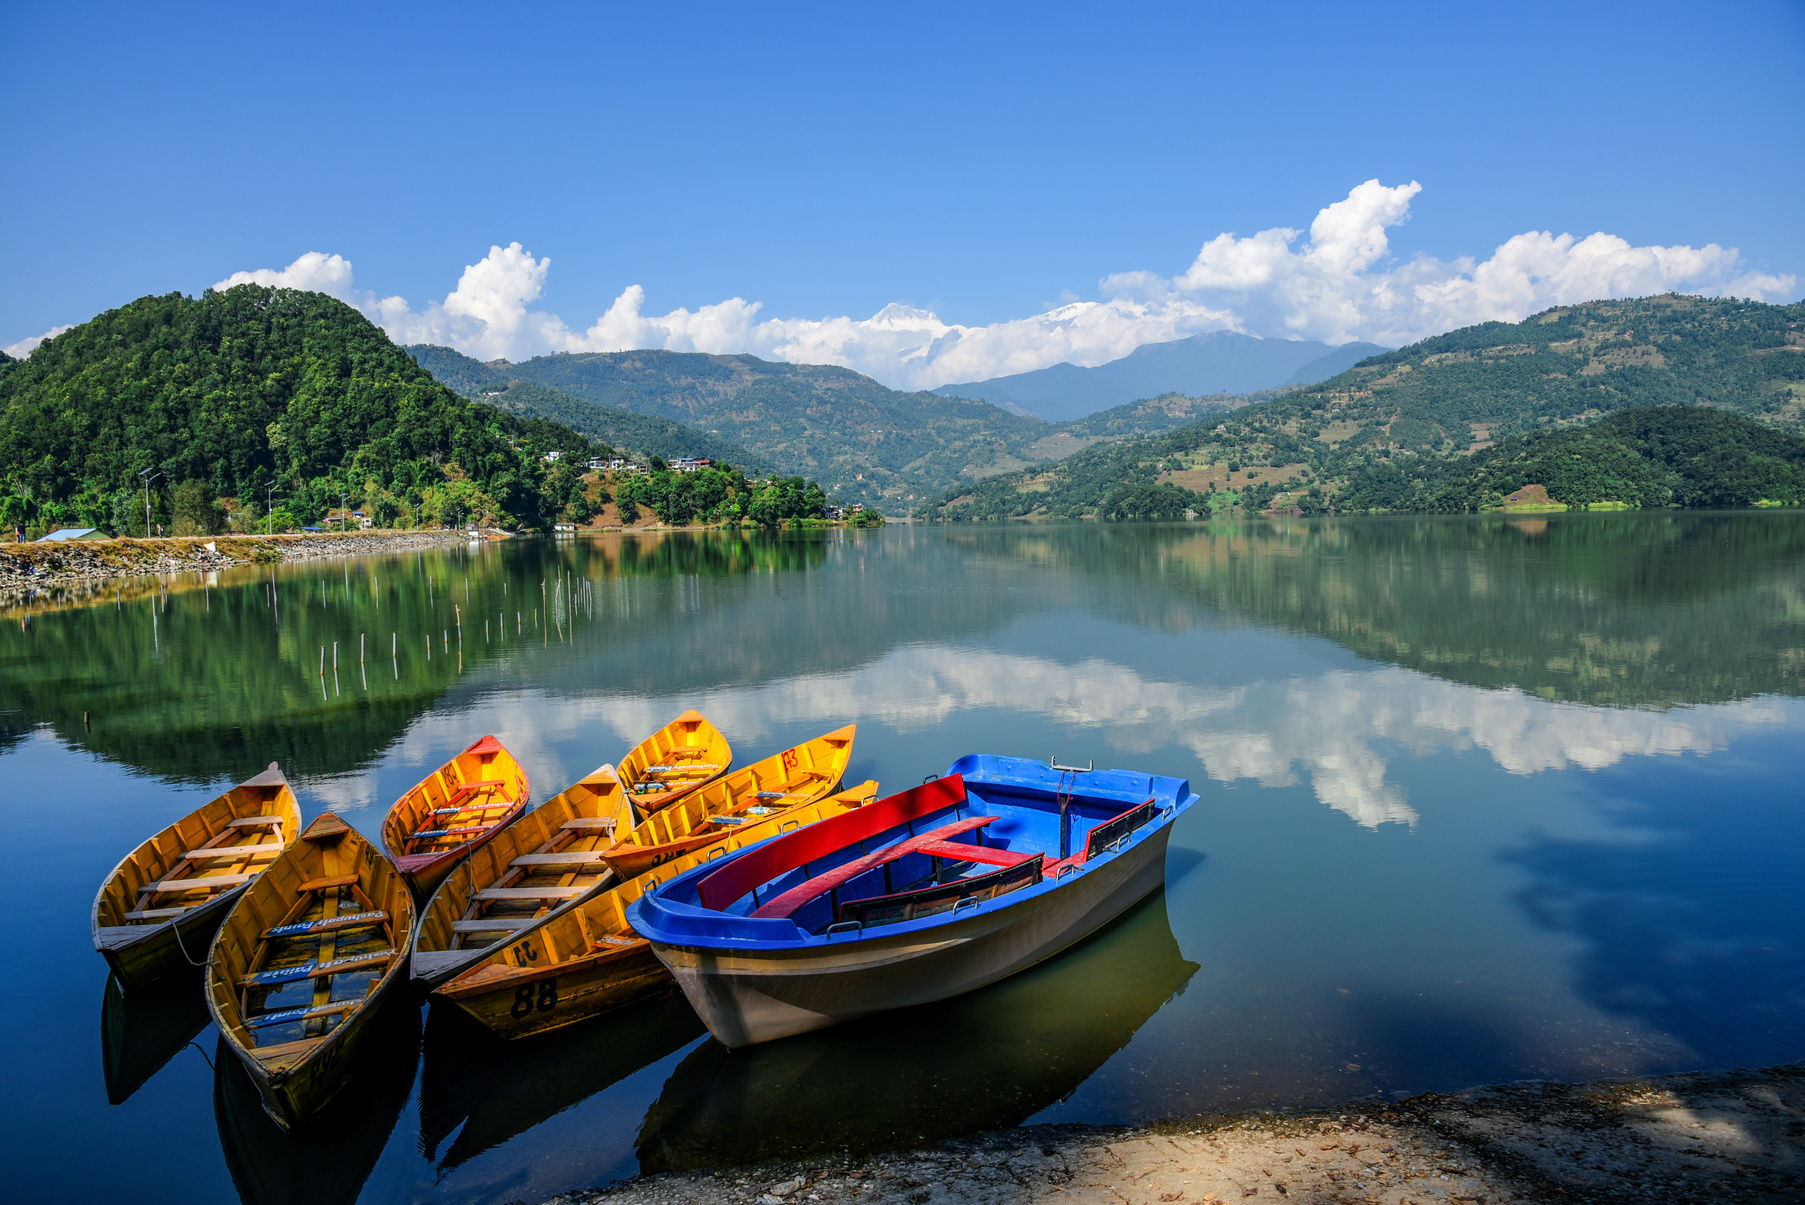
(318, 970)
(255, 822)
(456, 809)
(431, 833)
(790, 901)
(491, 925)
(592, 857)
(158, 913)
(269, 848)
(959, 851)
(327, 924)
(605, 823)
(531, 893)
(343, 880)
(201, 883)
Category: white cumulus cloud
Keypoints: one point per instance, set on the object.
(25, 347)
(1338, 283)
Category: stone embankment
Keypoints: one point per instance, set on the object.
(1730, 1137)
(39, 565)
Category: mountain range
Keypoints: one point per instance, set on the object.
(1370, 438)
(859, 439)
(1216, 363)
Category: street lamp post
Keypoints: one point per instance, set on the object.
(344, 515)
(269, 504)
(148, 475)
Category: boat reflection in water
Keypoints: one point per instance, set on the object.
(985, 1060)
(486, 1090)
(325, 1160)
(143, 1030)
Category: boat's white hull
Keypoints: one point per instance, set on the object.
(757, 996)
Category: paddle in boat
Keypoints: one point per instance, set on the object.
(944, 888)
(797, 776)
(674, 761)
(585, 960)
(453, 810)
(300, 964)
(158, 909)
(548, 859)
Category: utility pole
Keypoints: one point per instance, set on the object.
(148, 474)
(344, 515)
(269, 504)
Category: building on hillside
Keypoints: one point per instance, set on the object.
(691, 464)
(554, 456)
(72, 533)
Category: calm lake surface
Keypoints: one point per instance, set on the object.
(1482, 800)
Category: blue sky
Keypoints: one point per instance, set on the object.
(820, 163)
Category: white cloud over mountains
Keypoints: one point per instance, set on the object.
(1341, 282)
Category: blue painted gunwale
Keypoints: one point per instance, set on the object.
(671, 914)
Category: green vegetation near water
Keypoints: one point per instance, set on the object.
(228, 394)
(1416, 428)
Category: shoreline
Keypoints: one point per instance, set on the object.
(29, 569)
(1701, 1136)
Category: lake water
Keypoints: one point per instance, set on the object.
(1481, 800)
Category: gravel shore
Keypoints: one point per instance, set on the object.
(1735, 1136)
(31, 566)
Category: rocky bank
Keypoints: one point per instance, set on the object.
(28, 565)
(1723, 1137)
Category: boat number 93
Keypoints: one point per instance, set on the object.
(527, 997)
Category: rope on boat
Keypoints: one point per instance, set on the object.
(177, 923)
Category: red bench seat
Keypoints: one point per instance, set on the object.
(792, 900)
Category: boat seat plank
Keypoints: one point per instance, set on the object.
(328, 924)
(480, 786)
(313, 969)
(790, 901)
(156, 914)
(531, 893)
(959, 851)
(491, 925)
(576, 858)
(343, 880)
(199, 883)
(233, 851)
(430, 833)
(473, 807)
(299, 1014)
(255, 822)
(605, 823)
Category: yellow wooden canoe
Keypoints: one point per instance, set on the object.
(158, 909)
(674, 761)
(454, 809)
(789, 779)
(298, 967)
(585, 960)
(548, 859)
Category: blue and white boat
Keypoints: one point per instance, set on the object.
(951, 885)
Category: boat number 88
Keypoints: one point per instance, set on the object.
(526, 998)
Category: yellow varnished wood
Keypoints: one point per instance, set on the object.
(564, 824)
(142, 919)
(477, 793)
(679, 758)
(793, 778)
(298, 1065)
(586, 960)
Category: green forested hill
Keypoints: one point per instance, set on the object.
(621, 428)
(229, 392)
(859, 439)
(1444, 397)
(863, 441)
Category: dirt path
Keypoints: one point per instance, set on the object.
(1729, 1137)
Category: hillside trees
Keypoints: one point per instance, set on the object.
(255, 387)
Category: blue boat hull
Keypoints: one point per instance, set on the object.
(751, 996)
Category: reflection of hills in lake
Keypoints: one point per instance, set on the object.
(1616, 610)
(327, 1160)
(485, 1091)
(142, 1031)
(216, 682)
(988, 1059)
